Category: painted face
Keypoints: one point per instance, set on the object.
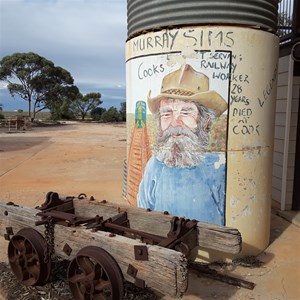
(178, 114)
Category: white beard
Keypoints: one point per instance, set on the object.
(180, 147)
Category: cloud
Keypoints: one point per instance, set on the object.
(86, 37)
(3, 85)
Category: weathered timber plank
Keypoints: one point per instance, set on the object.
(210, 236)
(165, 271)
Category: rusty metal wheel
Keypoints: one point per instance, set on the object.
(94, 275)
(26, 257)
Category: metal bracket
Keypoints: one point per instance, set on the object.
(9, 232)
(180, 230)
(140, 283)
(53, 202)
(140, 252)
(67, 249)
(132, 271)
(65, 219)
(12, 204)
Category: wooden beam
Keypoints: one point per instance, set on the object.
(209, 236)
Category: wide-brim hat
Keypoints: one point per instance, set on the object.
(187, 84)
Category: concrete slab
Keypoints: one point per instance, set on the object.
(291, 216)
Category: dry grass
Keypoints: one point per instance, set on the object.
(42, 115)
(58, 288)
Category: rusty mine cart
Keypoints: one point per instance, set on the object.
(106, 245)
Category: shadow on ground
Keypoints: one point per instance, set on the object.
(17, 143)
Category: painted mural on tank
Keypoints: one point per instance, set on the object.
(230, 72)
(177, 157)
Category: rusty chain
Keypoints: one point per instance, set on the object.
(49, 237)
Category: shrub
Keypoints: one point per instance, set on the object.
(96, 113)
(111, 115)
(61, 111)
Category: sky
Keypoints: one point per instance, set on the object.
(85, 37)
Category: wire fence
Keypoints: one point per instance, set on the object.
(285, 20)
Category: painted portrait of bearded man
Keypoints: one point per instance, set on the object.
(182, 176)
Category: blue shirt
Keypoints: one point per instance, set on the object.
(195, 193)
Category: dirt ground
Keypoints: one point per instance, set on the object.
(88, 158)
(69, 159)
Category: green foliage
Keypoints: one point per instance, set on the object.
(123, 111)
(96, 113)
(111, 115)
(46, 86)
(36, 79)
(61, 111)
(20, 111)
(284, 23)
(83, 104)
(2, 117)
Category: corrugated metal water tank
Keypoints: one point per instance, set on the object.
(143, 15)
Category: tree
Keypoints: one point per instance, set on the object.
(83, 104)
(123, 111)
(61, 111)
(38, 80)
(61, 108)
(284, 19)
(97, 112)
(111, 115)
(284, 24)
